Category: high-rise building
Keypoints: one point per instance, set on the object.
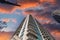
(56, 15)
(31, 29)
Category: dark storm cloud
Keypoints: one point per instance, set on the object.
(58, 2)
(53, 27)
(44, 11)
(5, 8)
(47, 9)
(23, 2)
(27, 1)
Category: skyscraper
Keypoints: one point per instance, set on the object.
(31, 29)
(56, 15)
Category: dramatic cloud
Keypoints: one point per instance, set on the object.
(25, 4)
(52, 27)
(28, 1)
(5, 35)
(56, 34)
(58, 2)
(6, 8)
(9, 20)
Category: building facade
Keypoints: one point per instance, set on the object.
(31, 29)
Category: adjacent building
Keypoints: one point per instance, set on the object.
(31, 29)
(56, 15)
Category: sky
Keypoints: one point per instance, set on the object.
(39, 9)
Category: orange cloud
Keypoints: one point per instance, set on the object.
(5, 20)
(5, 35)
(27, 5)
(9, 20)
(56, 34)
(52, 1)
(24, 4)
(8, 8)
(43, 19)
(7, 11)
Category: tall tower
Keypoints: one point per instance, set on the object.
(31, 29)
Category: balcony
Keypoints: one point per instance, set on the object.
(32, 36)
(33, 33)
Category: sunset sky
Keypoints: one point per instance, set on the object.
(40, 9)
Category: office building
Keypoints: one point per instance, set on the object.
(31, 29)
